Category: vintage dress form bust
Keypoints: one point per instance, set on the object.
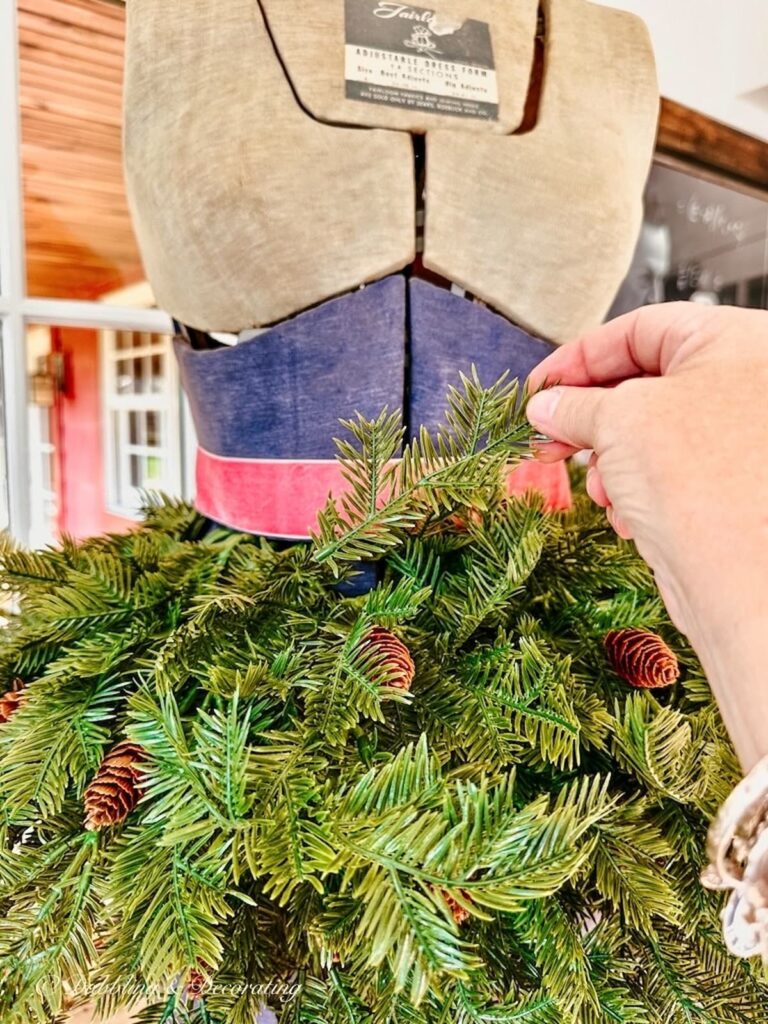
(280, 154)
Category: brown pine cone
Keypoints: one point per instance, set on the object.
(460, 522)
(11, 701)
(114, 790)
(392, 653)
(641, 658)
(196, 985)
(459, 913)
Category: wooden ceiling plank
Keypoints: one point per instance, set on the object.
(39, 31)
(49, 137)
(97, 18)
(79, 237)
(36, 58)
(33, 98)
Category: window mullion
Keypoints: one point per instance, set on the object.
(13, 279)
(97, 315)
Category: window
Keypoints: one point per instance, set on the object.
(701, 241)
(70, 279)
(142, 450)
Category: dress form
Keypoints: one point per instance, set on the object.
(254, 199)
(279, 182)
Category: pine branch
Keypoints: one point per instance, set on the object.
(659, 744)
(478, 823)
(54, 741)
(485, 428)
(47, 943)
(172, 902)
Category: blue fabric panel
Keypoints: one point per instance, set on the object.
(367, 576)
(449, 334)
(281, 395)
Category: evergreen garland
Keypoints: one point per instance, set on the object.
(514, 836)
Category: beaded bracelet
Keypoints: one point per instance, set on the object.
(738, 851)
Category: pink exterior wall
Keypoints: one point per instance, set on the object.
(78, 436)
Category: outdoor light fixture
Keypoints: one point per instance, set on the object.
(48, 380)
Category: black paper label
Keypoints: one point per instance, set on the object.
(413, 57)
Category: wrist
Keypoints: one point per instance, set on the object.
(722, 606)
(733, 648)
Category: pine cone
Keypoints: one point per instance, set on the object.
(196, 985)
(641, 658)
(392, 653)
(114, 790)
(11, 701)
(459, 913)
(461, 522)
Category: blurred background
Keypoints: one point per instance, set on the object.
(92, 414)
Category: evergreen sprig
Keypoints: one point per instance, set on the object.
(460, 465)
(517, 838)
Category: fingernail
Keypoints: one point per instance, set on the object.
(541, 408)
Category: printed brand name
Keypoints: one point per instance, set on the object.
(391, 10)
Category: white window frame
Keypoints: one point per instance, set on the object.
(17, 309)
(42, 455)
(168, 405)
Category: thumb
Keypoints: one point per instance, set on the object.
(568, 415)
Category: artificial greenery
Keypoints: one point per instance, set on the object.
(308, 831)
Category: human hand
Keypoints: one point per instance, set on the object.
(673, 402)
